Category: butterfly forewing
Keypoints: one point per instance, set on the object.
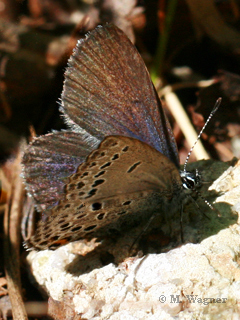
(121, 183)
(108, 91)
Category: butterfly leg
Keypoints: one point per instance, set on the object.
(142, 232)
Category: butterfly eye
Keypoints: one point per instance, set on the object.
(188, 183)
(190, 180)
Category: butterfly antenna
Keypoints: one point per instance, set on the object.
(208, 203)
(215, 108)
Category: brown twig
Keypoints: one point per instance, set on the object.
(207, 18)
(12, 221)
(187, 128)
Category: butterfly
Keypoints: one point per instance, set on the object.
(117, 166)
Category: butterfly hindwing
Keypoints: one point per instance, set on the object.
(48, 162)
(111, 189)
